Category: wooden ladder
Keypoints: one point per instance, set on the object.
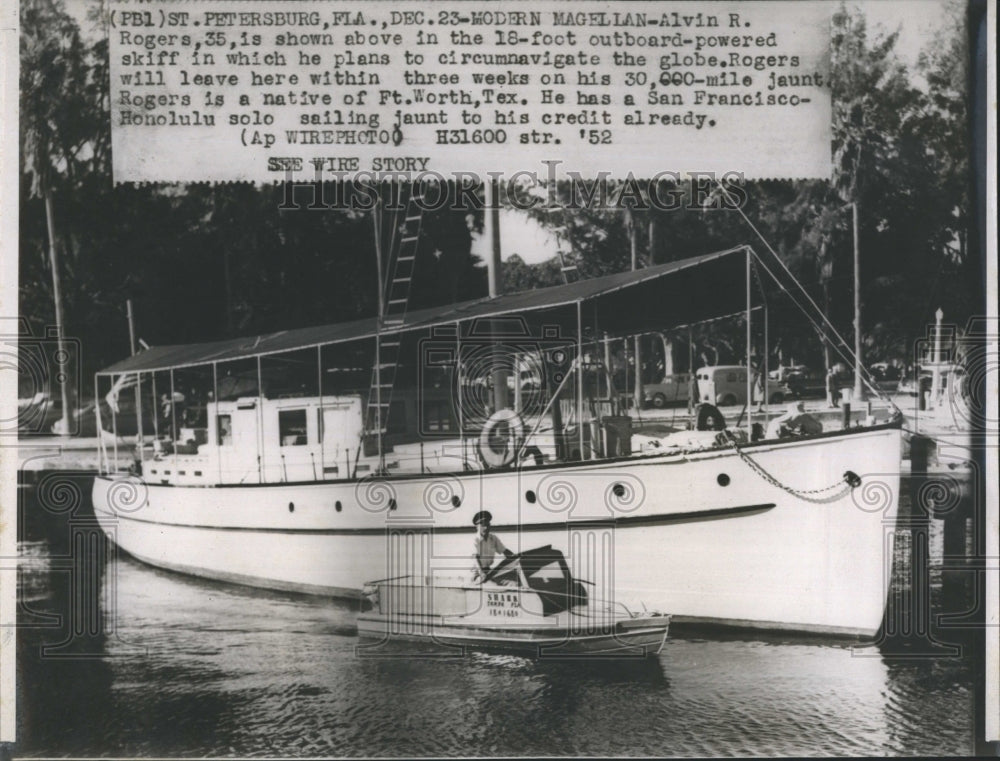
(397, 289)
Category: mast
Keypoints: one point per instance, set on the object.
(138, 380)
(857, 306)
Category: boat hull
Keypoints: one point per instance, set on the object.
(770, 536)
(645, 637)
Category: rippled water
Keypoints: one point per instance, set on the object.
(185, 667)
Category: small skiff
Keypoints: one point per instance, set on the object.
(529, 603)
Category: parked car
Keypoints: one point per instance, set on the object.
(727, 385)
(804, 382)
(782, 372)
(922, 380)
(673, 389)
(886, 376)
(722, 384)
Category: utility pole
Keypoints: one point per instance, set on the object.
(936, 366)
(491, 232)
(857, 305)
(634, 246)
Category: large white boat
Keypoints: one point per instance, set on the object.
(297, 471)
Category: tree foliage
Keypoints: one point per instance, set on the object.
(199, 262)
(900, 151)
(202, 262)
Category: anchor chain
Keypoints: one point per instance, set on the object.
(848, 482)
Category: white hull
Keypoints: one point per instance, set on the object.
(645, 638)
(672, 534)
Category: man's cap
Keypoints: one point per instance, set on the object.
(483, 516)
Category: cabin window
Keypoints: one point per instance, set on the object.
(225, 430)
(292, 427)
(437, 416)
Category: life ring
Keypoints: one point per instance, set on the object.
(498, 448)
(708, 418)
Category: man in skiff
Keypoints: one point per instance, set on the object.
(485, 546)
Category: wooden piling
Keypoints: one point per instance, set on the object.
(955, 574)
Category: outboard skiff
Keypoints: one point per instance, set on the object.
(529, 604)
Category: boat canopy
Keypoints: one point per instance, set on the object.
(666, 295)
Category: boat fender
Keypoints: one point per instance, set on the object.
(853, 479)
(500, 438)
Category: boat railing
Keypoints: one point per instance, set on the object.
(594, 605)
(411, 589)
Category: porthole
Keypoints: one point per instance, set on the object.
(723, 479)
(530, 496)
(291, 507)
(456, 501)
(338, 507)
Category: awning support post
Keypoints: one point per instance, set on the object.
(579, 374)
(260, 424)
(767, 350)
(156, 409)
(174, 432)
(102, 454)
(320, 423)
(749, 349)
(140, 438)
(458, 392)
(218, 433)
(692, 378)
(114, 425)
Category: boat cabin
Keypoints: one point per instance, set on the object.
(515, 380)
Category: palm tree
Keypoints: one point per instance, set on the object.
(53, 84)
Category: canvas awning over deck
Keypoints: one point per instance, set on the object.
(661, 296)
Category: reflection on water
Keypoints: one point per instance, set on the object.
(193, 667)
(187, 667)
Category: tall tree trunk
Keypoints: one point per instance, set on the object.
(668, 355)
(57, 298)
